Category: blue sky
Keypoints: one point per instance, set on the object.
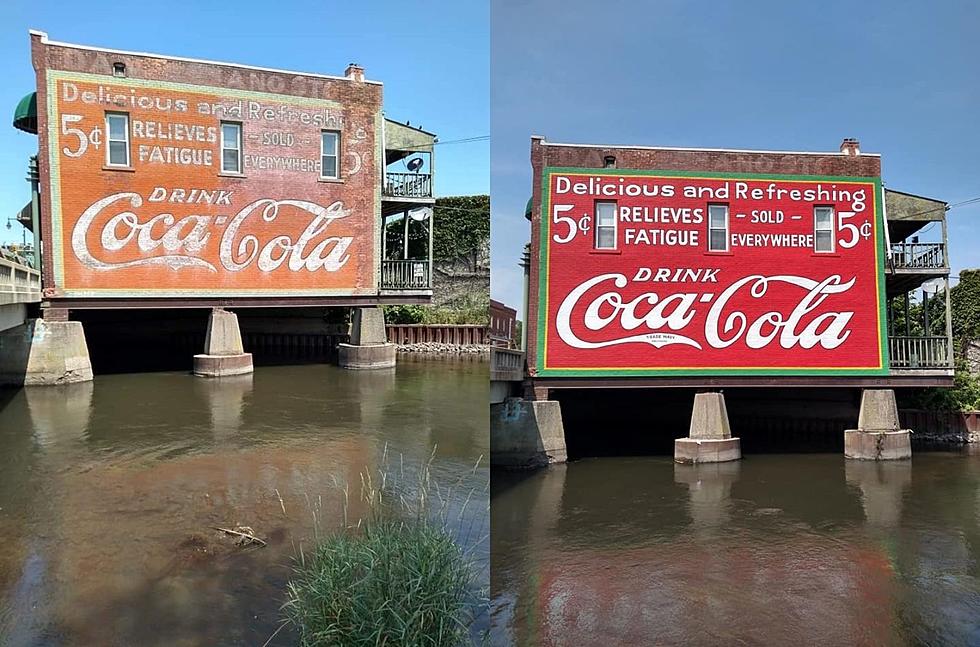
(903, 77)
(433, 58)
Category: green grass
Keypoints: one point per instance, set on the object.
(396, 577)
(393, 583)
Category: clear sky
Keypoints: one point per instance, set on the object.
(903, 77)
(433, 58)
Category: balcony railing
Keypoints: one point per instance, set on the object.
(405, 275)
(919, 256)
(918, 352)
(408, 185)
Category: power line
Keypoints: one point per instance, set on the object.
(465, 140)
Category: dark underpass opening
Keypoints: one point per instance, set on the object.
(631, 422)
(145, 340)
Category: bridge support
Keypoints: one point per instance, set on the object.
(878, 437)
(368, 347)
(710, 437)
(45, 352)
(223, 351)
(526, 433)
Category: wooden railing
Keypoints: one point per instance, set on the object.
(408, 185)
(459, 334)
(919, 256)
(18, 283)
(405, 275)
(918, 352)
(506, 365)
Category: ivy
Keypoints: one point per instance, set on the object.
(462, 226)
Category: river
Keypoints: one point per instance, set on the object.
(777, 549)
(110, 491)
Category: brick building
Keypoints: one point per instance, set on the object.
(181, 183)
(656, 267)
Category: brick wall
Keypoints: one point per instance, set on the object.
(72, 183)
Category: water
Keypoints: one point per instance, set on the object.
(805, 549)
(109, 491)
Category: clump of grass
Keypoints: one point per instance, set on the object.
(393, 583)
(397, 577)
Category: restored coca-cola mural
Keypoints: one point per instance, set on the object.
(164, 188)
(671, 273)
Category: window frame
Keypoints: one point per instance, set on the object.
(336, 154)
(832, 229)
(108, 140)
(615, 226)
(241, 146)
(727, 228)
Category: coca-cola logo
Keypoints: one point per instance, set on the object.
(163, 239)
(596, 314)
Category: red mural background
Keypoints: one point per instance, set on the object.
(661, 302)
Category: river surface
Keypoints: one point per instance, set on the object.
(805, 549)
(110, 490)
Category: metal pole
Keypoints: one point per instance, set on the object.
(405, 241)
(33, 176)
(949, 324)
(907, 333)
(925, 312)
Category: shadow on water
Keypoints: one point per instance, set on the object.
(773, 549)
(638, 422)
(109, 491)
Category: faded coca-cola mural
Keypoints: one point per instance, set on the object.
(658, 273)
(164, 189)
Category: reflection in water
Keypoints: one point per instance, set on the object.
(109, 491)
(791, 549)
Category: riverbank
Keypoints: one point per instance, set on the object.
(436, 348)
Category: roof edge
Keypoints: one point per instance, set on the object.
(45, 40)
(914, 195)
(544, 142)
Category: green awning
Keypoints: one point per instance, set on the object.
(25, 115)
(527, 209)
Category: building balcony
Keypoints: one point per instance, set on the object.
(919, 256)
(411, 186)
(919, 353)
(406, 275)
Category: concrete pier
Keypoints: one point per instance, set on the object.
(223, 351)
(710, 437)
(526, 433)
(878, 436)
(368, 347)
(44, 352)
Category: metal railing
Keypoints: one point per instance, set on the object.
(919, 256)
(918, 352)
(408, 185)
(405, 275)
(506, 365)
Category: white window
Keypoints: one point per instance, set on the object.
(231, 147)
(823, 229)
(117, 128)
(329, 144)
(605, 225)
(717, 227)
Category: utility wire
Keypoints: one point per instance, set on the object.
(465, 140)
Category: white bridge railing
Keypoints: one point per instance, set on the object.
(18, 282)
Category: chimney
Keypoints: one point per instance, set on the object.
(354, 72)
(850, 146)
